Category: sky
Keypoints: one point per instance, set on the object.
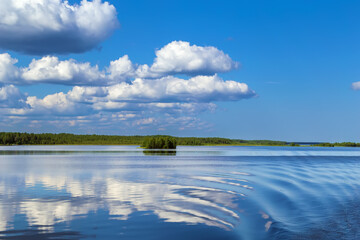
(280, 70)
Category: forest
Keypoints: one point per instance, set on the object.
(13, 138)
(337, 144)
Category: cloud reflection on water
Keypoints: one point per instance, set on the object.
(47, 200)
(236, 196)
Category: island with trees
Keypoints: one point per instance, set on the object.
(159, 142)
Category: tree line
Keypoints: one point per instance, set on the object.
(337, 144)
(16, 138)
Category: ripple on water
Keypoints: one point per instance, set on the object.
(106, 196)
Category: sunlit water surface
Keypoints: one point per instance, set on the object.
(122, 192)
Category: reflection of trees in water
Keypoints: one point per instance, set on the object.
(159, 153)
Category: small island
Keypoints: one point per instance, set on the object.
(159, 142)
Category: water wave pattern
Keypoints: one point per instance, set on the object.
(204, 196)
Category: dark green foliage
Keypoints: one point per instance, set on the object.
(63, 138)
(8, 138)
(194, 141)
(262, 142)
(342, 144)
(159, 142)
(323, 145)
(347, 144)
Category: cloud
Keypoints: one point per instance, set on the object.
(123, 92)
(55, 26)
(86, 101)
(121, 69)
(355, 85)
(168, 95)
(94, 106)
(117, 83)
(57, 104)
(70, 72)
(51, 70)
(11, 97)
(181, 57)
(166, 90)
(168, 103)
(8, 71)
(45, 115)
(168, 108)
(175, 58)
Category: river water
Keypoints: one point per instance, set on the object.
(210, 193)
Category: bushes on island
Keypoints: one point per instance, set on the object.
(159, 143)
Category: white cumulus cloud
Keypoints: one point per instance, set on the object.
(166, 89)
(51, 70)
(121, 69)
(53, 105)
(69, 72)
(174, 58)
(181, 57)
(167, 94)
(55, 26)
(123, 91)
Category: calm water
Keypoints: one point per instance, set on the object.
(118, 192)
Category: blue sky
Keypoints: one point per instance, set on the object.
(283, 70)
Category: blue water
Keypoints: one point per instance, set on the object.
(210, 193)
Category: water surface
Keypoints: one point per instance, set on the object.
(122, 192)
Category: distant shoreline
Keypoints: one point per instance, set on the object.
(16, 138)
(205, 145)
